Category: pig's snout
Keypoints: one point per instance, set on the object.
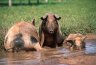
(38, 47)
(51, 31)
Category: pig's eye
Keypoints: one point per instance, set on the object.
(33, 39)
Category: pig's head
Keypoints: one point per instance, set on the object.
(79, 41)
(50, 23)
(22, 36)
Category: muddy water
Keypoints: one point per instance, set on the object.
(48, 57)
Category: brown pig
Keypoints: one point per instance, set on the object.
(49, 31)
(75, 41)
(22, 36)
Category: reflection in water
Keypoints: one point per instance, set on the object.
(48, 57)
(21, 58)
(90, 47)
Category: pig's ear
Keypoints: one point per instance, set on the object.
(33, 22)
(44, 17)
(57, 17)
(83, 38)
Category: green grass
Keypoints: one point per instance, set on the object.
(77, 15)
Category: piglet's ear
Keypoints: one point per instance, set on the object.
(33, 22)
(57, 17)
(44, 17)
(84, 37)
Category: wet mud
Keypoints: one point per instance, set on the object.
(57, 56)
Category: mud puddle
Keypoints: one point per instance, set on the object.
(58, 56)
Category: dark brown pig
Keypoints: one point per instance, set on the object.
(50, 33)
(75, 41)
(22, 36)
